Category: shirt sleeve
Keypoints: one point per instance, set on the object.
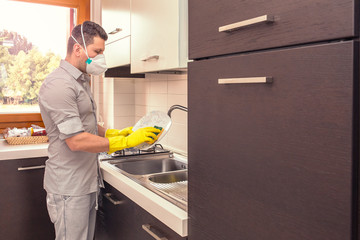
(59, 100)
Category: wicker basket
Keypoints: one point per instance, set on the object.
(26, 140)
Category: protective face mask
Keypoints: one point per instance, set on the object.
(96, 65)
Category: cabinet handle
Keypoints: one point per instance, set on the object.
(110, 197)
(248, 22)
(147, 227)
(115, 31)
(156, 57)
(245, 80)
(31, 168)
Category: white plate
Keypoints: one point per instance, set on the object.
(154, 118)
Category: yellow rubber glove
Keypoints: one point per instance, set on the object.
(116, 132)
(141, 135)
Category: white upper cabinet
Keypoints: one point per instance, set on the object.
(115, 15)
(159, 35)
(116, 19)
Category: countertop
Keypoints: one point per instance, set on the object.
(8, 152)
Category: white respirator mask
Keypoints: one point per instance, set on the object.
(95, 66)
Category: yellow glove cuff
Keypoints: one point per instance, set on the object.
(117, 143)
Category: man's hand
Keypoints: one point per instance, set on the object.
(147, 134)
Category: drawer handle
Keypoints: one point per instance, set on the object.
(147, 227)
(31, 168)
(115, 31)
(245, 80)
(155, 57)
(110, 197)
(248, 22)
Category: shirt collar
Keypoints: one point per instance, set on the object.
(73, 71)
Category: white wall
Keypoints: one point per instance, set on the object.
(122, 102)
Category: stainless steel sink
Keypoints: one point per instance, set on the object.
(149, 166)
(169, 177)
(163, 175)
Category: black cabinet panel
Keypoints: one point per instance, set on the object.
(125, 219)
(295, 22)
(23, 201)
(115, 217)
(274, 160)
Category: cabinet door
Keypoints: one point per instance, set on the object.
(115, 19)
(293, 22)
(147, 221)
(158, 35)
(115, 217)
(119, 217)
(118, 53)
(23, 200)
(273, 160)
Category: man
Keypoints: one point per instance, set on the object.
(68, 110)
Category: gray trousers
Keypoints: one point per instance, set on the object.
(73, 216)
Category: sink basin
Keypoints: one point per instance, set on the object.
(149, 166)
(165, 176)
(171, 185)
(169, 177)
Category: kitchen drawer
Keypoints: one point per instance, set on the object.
(294, 22)
(283, 168)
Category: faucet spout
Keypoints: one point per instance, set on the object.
(173, 107)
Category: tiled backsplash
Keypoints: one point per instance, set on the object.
(123, 101)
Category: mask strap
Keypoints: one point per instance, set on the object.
(88, 61)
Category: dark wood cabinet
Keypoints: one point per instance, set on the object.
(121, 218)
(23, 200)
(277, 159)
(281, 161)
(293, 22)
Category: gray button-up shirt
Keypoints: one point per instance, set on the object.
(67, 108)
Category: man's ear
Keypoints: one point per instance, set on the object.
(77, 49)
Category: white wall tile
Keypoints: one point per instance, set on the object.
(141, 99)
(107, 99)
(177, 99)
(124, 111)
(179, 116)
(177, 137)
(140, 110)
(142, 85)
(124, 99)
(177, 87)
(158, 87)
(157, 108)
(123, 122)
(157, 100)
(108, 86)
(122, 85)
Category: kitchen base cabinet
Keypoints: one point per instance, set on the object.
(274, 160)
(119, 217)
(23, 200)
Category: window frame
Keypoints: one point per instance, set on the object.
(20, 120)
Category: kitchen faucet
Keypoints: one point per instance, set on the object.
(173, 107)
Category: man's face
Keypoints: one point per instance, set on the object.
(98, 47)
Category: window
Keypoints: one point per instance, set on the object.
(30, 48)
(33, 38)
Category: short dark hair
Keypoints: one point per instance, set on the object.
(90, 30)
